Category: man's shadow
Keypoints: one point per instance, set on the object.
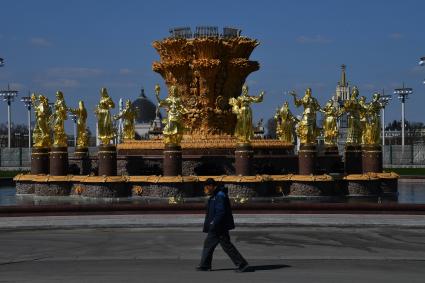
(253, 268)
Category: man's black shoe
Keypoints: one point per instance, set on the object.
(203, 268)
(243, 268)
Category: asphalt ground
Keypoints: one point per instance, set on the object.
(310, 253)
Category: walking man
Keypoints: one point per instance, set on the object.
(218, 222)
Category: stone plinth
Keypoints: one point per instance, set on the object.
(244, 159)
(353, 159)
(165, 190)
(58, 161)
(82, 159)
(172, 160)
(52, 189)
(331, 159)
(307, 159)
(372, 158)
(107, 162)
(40, 160)
(364, 188)
(102, 190)
(24, 188)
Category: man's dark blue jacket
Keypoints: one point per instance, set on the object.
(219, 216)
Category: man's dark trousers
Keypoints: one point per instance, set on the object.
(218, 222)
(212, 240)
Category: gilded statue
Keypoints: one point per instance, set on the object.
(353, 109)
(373, 126)
(41, 134)
(174, 128)
(307, 130)
(127, 115)
(285, 124)
(58, 118)
(241, 106)
(330, 123)
(106, 129)
(82, 135)
(363, 118)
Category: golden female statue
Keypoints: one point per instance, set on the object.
(307, 129)
(105, 127)
(58, 118)
(127, 115)
(330, 125)
(41, 134)
(241, 106)
(363, 118)
(353, 109)
(82, 135)
(373, 127)
(174, 128)
(285, 124)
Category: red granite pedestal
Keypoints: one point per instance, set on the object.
(244, 159)
(107, 163)
(58, 161)
(40, 160)
(172, 160)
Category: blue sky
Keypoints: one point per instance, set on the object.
(80, 46)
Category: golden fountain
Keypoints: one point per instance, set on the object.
(207, 72)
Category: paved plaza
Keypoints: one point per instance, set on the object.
(302, 248)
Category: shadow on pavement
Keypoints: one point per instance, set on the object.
(254, 268)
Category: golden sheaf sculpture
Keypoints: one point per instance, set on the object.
(41, 133)
(307, 130)
(106, 129)
(241, 106)
(174, 128)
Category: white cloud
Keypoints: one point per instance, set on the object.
(314, 86)
(318, 39)
(396, 35)
(60, 83)
(40, 41)
(125, 71)
(17, 86)
(72, 72)
(369, 86)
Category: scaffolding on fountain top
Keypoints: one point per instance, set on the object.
(204, 31)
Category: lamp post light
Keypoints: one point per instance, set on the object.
(74, 119)
(8, 96)
(422, 63)
(403, 94)
(1, 62)
(384, 99)
(28, 104)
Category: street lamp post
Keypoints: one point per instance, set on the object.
(28, 104)
(422, 63)
(403, 94)
(8, 96)
(74, 119)
(385, 99)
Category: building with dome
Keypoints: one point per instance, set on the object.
(146, 115)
